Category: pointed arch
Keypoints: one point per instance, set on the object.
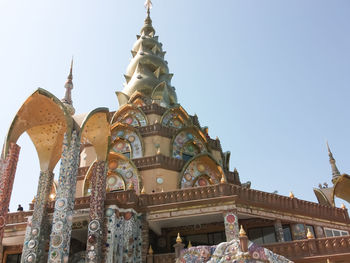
(129, 114)
(187, 143)
(201, 170)
(139, 100)
(176, 118)
(126, 135)
(121, 173)
(45, 118)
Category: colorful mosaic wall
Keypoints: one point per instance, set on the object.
(126, 140)
(229, 252)
(279, 231)
(64, 205)
(124, 236)
(38, 226)
(231, 225)
(175, 118)
(202, 171)
(7, 175)
(121, 175)
(131, 116)
(187, 145)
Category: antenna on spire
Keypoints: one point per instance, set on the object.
(70, 76)
(148, 6)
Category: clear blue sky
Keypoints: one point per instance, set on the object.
(270, 78)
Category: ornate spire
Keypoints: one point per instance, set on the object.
(335, 171)
(67, 100)
(148, 72)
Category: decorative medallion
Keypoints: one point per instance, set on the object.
(94, 225)
(61, 203)
(160, 180)
(35, 231)
(120, 133)
(57, 240)
(111, 180)
(32, 244)
(58, 226)
(109, 212)
(113, 164)
(131, 138)
(177, 123)
(230, 219)
(189, 136)
(31, 257)
(129, 120)
(202, 182)
(53, 254)
(129, 174)
(120, 146)
(201, 167)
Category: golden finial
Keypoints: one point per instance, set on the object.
(150, 250)
(131, 186)
(33, 201)
(162, 190)
(343, 206)
(223, 179)
(291, 195)
(189, 244)
(178, 238)
(242, 233)
(143, 191)
(309, 234)
(158, 150)
(52, 196)
(148, 5)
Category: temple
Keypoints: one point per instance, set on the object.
(146, 183)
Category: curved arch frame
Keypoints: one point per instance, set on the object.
(180, 109)
(127, 107)
(210, 156)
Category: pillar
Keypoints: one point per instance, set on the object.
(38, 226)
(145, 238)
(8, 167)
(231, 225)
(65, 197)
(279, 231)
(95, 228)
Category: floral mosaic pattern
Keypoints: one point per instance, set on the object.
(126, 140)
(231, 225)
(38, 225)
(187, 145)
(95, 228)
(64, 205)
(124, 239)
(229, 252)
(175, 118)
(200, 173)
(131, 116)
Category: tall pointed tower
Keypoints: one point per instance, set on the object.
(148, 72)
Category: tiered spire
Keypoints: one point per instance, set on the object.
(335, 171)
(67, 100)
(148, 72)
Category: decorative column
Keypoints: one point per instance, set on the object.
(231, 225)
(8, 167)
(65, 197)
(145, 238)
(38, 226)
(95, 228)
(279, 231)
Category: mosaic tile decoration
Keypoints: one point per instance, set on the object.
(95, 228)
(37, 231)
(8, 167)
(231, 225)
(64, 205)
(186, 142)
(124, 239)
(175, 118)
(120, 175)
(200, 173)
(129, 138)
(229, 252)
(131, 116)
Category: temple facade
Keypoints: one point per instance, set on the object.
(146, 183)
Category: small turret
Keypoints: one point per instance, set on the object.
(335, 171)
(67, 100)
